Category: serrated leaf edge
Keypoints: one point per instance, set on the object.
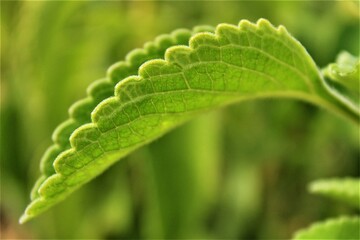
(262, 23)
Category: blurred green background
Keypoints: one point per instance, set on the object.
(240, 172)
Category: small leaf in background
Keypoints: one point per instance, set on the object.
(339, 228)
(345, 71)
(342, 79)
(346, 190)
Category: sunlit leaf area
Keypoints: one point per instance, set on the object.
(230, 169)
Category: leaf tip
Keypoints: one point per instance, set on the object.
(24, 218)
(27, 216)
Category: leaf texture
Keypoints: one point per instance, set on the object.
(80, 112)
(339, 228)
(235, 63)
(346, 190)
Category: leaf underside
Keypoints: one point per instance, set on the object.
(146, 96)
(346, 190)
(339, 228)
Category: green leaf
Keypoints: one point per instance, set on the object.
(342, 79)
(345, 71)
(339, 228)
(346, 190)
(80, 111)
(236, 63)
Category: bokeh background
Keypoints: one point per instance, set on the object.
(239, 172)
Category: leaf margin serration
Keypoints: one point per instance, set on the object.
(62, 133)
(47, 188)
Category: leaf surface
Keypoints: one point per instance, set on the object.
(346, 190)
(80, 111)
(339, 228)
(235, 63)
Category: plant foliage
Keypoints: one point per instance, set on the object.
(146, 96)
(338, 228)
(346, 190)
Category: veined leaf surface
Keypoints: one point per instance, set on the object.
(235, 63)
(80, 111)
